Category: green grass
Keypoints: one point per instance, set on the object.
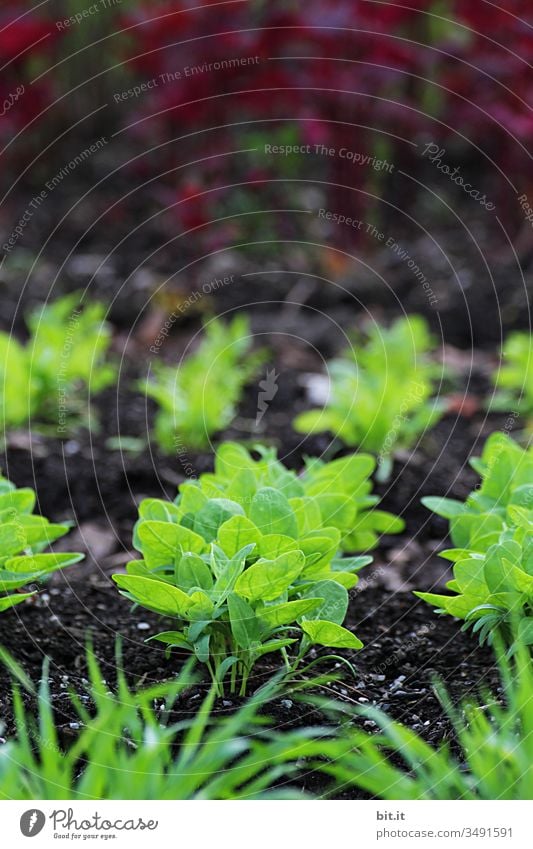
(494, 759)
(129, 747)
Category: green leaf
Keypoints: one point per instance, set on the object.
(499, 561)
(307, 513)
(158, 510)
(470, 577)
(273, 645)
(345, 579)
(288, 612)
(213, 514)
(139, 567)
(272, 514)
(228, 575)
(12, 600)
(324, 633)
(192, 571)
(12, 540)
(201, 607)
(244, 625)
(272, 545)
(319, 548)
(38, 532)
(335, 601)
(154, 594)
(172, 638)
(337, 511)
(201, 648)
(268, 579)
(190, 498)
(231, 458)
(42, 563)
(237, 532)
(525, 631)
(312, 421)
(19, 500)
(459, 606)
(162, 543)
(448, 508)
(350, 564)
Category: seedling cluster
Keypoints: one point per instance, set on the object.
(46, 380)
(23, 540)
(493, 539)
(381, 395)
(199, 398)
(249, 559)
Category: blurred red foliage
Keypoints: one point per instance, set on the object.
(374, 77)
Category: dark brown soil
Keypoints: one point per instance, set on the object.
(406, 649)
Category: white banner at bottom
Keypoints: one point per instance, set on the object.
(263, 825)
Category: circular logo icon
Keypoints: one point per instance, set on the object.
(32, 822)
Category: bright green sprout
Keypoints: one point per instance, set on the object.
(199, 398)
(514, 379)
(47, 379)
(23, 538)
(492, 533)
(248, 560)
(381, 392)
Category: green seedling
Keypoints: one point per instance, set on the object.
(381, 395)
(23, 540)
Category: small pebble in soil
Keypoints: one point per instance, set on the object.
(227, 703)
(75, 726)
(397, 683)
(143, 626)
(72, 447)
(286, 703)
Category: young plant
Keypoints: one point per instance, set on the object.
(248, 560)
(493, 545)
(200, 397)
(131, 747)
(493, 760)
(229, 615)
(23, 538)
(514, 379)
(64, 355)
(381, 391)
(335, 494)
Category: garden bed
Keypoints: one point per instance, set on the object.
(406, 647)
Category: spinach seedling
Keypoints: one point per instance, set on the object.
(199, 397)
(381, 392)
(249, 559)
(492, 533)
(23, 539)
(514, 379)
(66, 353)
